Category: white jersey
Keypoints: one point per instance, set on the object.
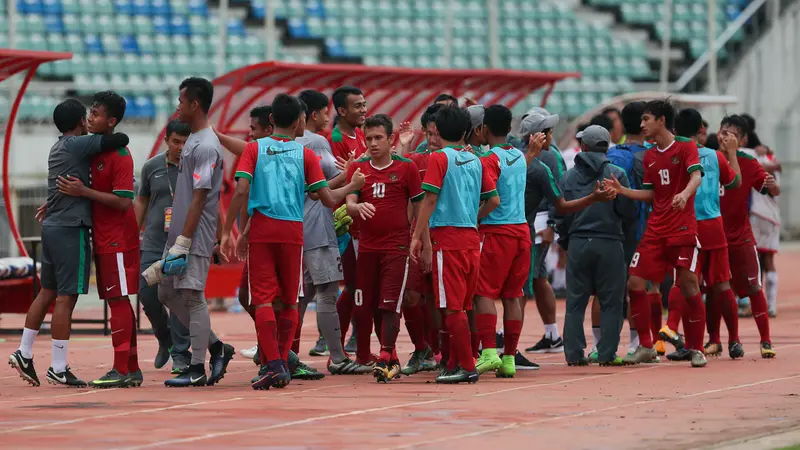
(766, 206)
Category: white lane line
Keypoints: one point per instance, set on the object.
(49, 397)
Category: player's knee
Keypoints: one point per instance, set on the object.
(637, 284)
(722, 287)
(412, 299)
(753, 289)
(688, 283)
(326, 298)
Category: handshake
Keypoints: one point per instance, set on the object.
(174, 263)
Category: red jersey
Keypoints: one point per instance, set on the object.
(735, 203)
(711, 232)
(455, 238)
(521, 231)
(113, 231)
(667, 172)
(265, 229)
(343, 145)
(421, 161)
(388, 189)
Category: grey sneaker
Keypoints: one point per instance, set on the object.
(641, 355)
(698, 359)
(349, 367)
(421, 361)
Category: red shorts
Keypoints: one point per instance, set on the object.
(349, 264)
(244, 287)
(656, 256)
(745, 269)
(117, 273)
(277, 272)
(505, 263)
(421, 283)
(455, 274)
(381, 280)
(715, 266)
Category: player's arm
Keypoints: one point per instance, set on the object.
(730, 174)
(364, 210)
(315, 182)
(243, 176)
(624, 206)
(234, 145)
(74, 187)
(93, 144)
(762, 181)
(205, 160)
(142, 201)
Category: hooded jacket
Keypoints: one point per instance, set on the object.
(608, 220)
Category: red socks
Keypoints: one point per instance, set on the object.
(713, 316)
(486, 325)
(344, 307)
(758, 303)
(267, 333)
(390, 326)
(287, 324)
(656, 311)
(296, 341)
(694, 321)
(133, 358)
(640, 312)
(730, 312)
(415, 324)
(675, 308)
(121, 332)
(460, 345)
(512, 330)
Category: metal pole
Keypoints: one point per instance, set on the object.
(12, 23)
(713, 87)
(223, 37)
(494, 35)
(269, 31)
(447, 52)
(665, 44)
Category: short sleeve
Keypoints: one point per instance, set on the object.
(691, 157)
(549, 186)
(758, 175)
(144, 186)
(247, 163)
(491, 172)
(338, 147)
(86, 146)
(122, 184)
(727, 177)
(315, 179)
(434, 177)
(205, 161)
(414, 187)
(647, 181)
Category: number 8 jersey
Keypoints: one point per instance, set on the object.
(389, 190)
(667, 172)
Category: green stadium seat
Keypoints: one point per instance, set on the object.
(163, 106)
(34, 23)
(180, 45)
(425, 62)
(101, 25)
(123, 24)
(144, 25)
(148, 65)
(315, 26)
(295, 9)
(407, 61)
(180, 8)
(388, 61)
(352, 45)
(110, 44)
(163, 46)
(388, 27)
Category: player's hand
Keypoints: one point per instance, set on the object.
(40, 212)
(469, 148)
(548, 236)
(405, 134)
(242, 245)
(426, 259)
(679, 201)
(469, 102)
(70, 186)
(601, 194)
(612, 184)
(769, 181)
(366, 210)
(222, 252)
(344, 164)
(415, 252)
(358, 179)
(535, 144)
(730, 144)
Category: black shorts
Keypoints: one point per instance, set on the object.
(538, 267)
(66, 259)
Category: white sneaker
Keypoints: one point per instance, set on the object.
(249, 352)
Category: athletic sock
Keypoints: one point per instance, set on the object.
(390, 326)
(415, 324)
(267, 334)
(758, 303)
(121, 322)
(656, 312)
(296, 340)
(475, 343)
(771, 288)
(512, 330)
(694, 320)
(730, 312)
(486, 325)
(460, 345)
(435, 330)
(674, 308)
(596, 333)
(640, 311)
(286, 326)
(551, 331)
(133, 355)
(713, 316)
(445, 347)
(26, 343)
(59, 357)
(364, 318)
(344, 307)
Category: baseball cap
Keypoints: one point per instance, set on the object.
(536, 110)
(595, 137)
(535, 123)
(476, 113)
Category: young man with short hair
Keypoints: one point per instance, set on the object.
(153, 207)
(66, 222)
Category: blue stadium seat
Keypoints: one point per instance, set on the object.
(179, 25)
(30, 6)
(128, 44)
(141, 7)
(236, 28)
(160, 8)
(145, 107)
(57, 43)
(92, 44)
(314, 8)
(124, 7)
(53, 23)
(161, 25)
(298, 29)
(52, 6)
(198, 8)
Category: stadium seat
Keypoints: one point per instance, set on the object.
(143, 25)
(123, 7)
(128, 44)
(123, 24)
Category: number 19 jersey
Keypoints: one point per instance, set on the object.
(667, 172)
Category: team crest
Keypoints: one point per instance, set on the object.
(100, 166)
(392, 177)
(675, 160)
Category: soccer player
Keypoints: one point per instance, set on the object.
(617, 129)
(422, 316)
(65, 243)
(153, 207)
(455, 183)
(347, 139)
(115, 237)
(274, 234)
(381, 209)
(713, 258)
(672, 175)
(742, 250)
(765, 218)
(193, 233)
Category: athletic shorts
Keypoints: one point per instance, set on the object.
(117, 273)
(421, 283)
(537, 268)
(381, 280)
(65, 259)
(275, 271)
(745, 269)
(455, 275)
(349, 263)
(322, 265)
(767, 234)
(195, 277)
(715, 266)
(655, 256)
(505, 263)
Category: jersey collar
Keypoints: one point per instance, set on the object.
(280, 137)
